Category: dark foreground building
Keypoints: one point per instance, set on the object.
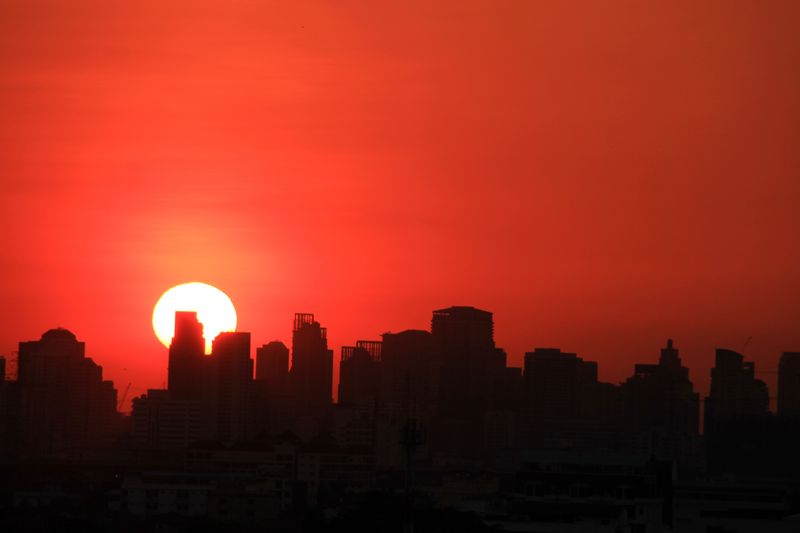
(60, 406)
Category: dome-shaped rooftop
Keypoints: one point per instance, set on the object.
(59, 335)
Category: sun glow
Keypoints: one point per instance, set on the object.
(214, 310)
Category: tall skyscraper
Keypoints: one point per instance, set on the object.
(735, 391)
(737, 425)
(662, 396)
(235, 391)
(311, 375)
(359, 373)
(463, 329)
(559, 385)
(470, 362)
(470, 365)
(272, 366)
(274, 405)
(410, 372)
(187, 361)
(409, 382)
(789, 385)
(661, 409)
(65, 405)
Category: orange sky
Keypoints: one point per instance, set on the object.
(600, 175)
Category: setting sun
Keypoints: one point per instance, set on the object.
(214, 310)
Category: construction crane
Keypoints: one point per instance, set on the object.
(123, 397)
(747, 342)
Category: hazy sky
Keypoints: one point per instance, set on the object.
(600, 175)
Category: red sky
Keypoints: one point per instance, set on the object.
(600, 175)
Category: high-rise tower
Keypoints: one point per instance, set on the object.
(789, 385)
(359, 373)
(470, 362)
(234, 386)
(185, 374)
(64, 403)
(272, 366)
(311, 375)
(735, 391)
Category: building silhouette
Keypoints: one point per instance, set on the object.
(235, 389)
(274, 408)
(662, 408)
(470, 361)
(161, 422)
(360, 373)
(563, 404)
(742, 437)
(424, 418)
(63, 404)
(272, 365)
(558, 384)
(207, 396)
(469, 366)
(789, 385)
(735, 392)
(311, 374)
(9, 416)
(409, 381)
(186, 378)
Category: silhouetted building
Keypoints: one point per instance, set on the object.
(789, 385)
(661, 405)
(64, 404)
(360, 373)
(272, 365)
(470, 364)
(274, 403)
(311, 375)
(742, 436)
(502, 419)
(562, 405)
(159, 421)
(354, 417)
(2, 369)
(409, 383)
(558, 384)
(9, 416)
(464, 338)
(209, 396)
(554, 490)
(410, 372)
(186, 371)
(735, 391)
(235, 390)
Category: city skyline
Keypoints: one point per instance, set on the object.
(416, 267)
(587, 173)
(452, 381)
(233, 443)
(769, 376)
